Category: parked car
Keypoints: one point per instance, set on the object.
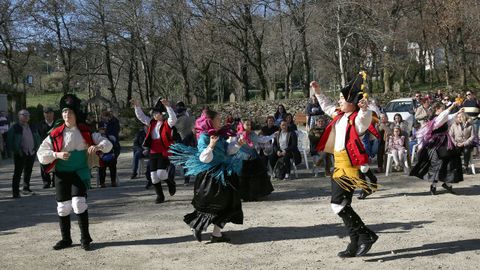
(403, 106)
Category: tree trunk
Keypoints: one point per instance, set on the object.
(463, 57)
(340, 48)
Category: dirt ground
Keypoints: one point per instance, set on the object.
(293, 228)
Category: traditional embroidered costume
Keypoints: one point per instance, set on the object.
(73, 174)
(438, 159)
(216, 171)
(158, 139)
(342, 138)
(254, 179)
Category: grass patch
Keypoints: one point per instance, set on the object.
(49, 99)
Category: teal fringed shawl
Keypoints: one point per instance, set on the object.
(221, 165)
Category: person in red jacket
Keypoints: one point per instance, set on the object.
(158, 139)
(342, 138)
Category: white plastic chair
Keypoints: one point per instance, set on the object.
(390, 162)
(303, 146)
(142, 163)
(414, 153)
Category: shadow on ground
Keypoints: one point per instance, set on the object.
(270, 234)
(433, 249)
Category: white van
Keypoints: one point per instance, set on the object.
(403, 106)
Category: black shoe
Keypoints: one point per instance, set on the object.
(16, 195)
(449, 189)
(46, 186)
(172, 187)
(148, 185)
(433, 190)
(349, 252)
(159, 191)
(160, 199)
(366, 246)
(363, 195)
(133, 176)
(63, 244)
(85, 244)
(220, 239)
(198, 235)
(83, 224)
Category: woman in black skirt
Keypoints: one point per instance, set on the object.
(254, 179)
(438, 159)
(215, 163)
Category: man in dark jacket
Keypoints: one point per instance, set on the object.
(23, 140)
(43, 129)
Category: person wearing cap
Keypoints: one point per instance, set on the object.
(44, 128)
(23, 140)
(342, 138)
(158, 139)
(68, 150)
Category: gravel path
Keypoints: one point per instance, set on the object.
(293, 228)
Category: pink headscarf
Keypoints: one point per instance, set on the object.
(205, 125)
(244, 134)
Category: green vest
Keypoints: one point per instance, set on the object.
(78, 163)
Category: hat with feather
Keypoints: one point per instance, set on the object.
(353, 91)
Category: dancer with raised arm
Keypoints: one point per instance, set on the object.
(158, 139)
(438, 160)
(216, 164)
(342, 138)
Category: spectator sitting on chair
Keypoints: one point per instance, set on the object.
(313, 111)
(279, 114)
(396, 147)
(266, 150)
(139, 152)
(398, 121)
(285, 146)
(290, 123)
(314, 136)
(463, 136)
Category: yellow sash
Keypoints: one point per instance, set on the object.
(346, 175)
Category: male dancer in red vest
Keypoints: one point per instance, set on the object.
(66, 150)
(158, 139)
(342, 138)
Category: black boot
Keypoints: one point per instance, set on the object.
(352, 247)
(85, 238)
(158, 189)
(448, 188)
(172, 186)
(366, 237)
(65, 230)
(433, 190)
